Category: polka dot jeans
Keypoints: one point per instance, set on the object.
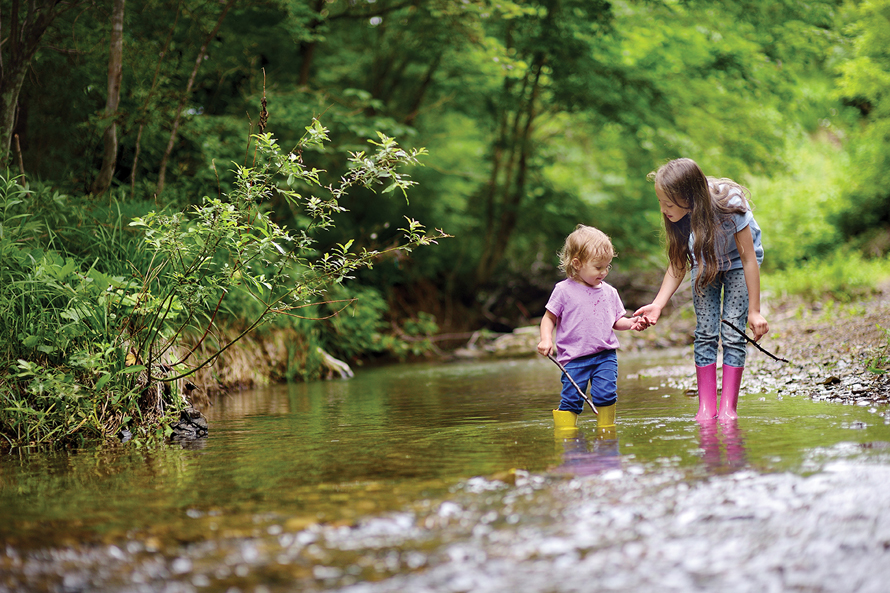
(729, 287)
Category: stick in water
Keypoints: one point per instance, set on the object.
(563, 369)
(768, 353)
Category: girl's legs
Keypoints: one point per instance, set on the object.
(707, 330)
(735, 310)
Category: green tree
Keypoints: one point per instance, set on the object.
(864, 82)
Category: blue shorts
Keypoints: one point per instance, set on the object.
(600, 370)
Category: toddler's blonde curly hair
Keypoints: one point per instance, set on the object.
(585, 243)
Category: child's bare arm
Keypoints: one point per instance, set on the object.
(548, 323)
(637, 323)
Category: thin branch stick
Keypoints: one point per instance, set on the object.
(768, 353)
(583, 395)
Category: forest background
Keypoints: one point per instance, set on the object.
(177, 172)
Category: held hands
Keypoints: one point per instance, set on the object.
(640, 323)
(650, 313)
(631, 323)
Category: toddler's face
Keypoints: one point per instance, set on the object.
(671, 209)
(593, 271)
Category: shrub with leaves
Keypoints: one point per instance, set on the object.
(88, 353)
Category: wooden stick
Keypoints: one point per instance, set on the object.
(584, 395)
(768, 353)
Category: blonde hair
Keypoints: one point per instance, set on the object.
(585, 243)
(707, 199)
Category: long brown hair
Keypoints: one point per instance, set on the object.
(707, 198)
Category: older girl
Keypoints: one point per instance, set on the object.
(711, 229)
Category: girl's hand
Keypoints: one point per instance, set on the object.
(650, 313)
(758, 325)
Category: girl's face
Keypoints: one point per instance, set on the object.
(593, 271)
(671, 209)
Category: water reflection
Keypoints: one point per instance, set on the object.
(723, 445)
(583, 457)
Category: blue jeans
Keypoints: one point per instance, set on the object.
(600, 370)
(730, 288)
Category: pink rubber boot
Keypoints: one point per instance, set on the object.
(729, 399)
(707, 391)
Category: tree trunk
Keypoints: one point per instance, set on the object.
(307, 48)
(185, 96)
(144, 111)
(506, 186)
(16, 53)
(115, 76)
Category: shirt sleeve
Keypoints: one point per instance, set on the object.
(556, 302)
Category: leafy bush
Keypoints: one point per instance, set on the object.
(86, 352)
(844, 275)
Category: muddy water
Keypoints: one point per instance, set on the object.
(450, 478)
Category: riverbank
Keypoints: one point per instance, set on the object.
(836, 352)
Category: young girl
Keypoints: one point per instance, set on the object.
(710, 229)
(585, 311)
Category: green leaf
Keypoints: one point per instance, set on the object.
(102, 381)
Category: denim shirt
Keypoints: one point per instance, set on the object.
(728, 257)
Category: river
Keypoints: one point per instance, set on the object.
(450, 478)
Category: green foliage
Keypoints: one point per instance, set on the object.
(357, 318)
(864, 77)
(82, 337)
(844, 275)
(62, 377)
(233, 241)
(542, 114)
(795, 208)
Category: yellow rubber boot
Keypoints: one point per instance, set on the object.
(606, 417)
(565, 423)
(605, 423)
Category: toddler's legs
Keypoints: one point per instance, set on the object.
(604, 378)
(600, 371)
(604, 389)
(570, 399)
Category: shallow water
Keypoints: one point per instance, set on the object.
(449, 477)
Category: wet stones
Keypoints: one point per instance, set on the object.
(192, 425)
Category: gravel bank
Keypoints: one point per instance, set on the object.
(836, 352)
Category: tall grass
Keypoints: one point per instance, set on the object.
(62, 369)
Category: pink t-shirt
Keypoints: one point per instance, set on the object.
(585, 318)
